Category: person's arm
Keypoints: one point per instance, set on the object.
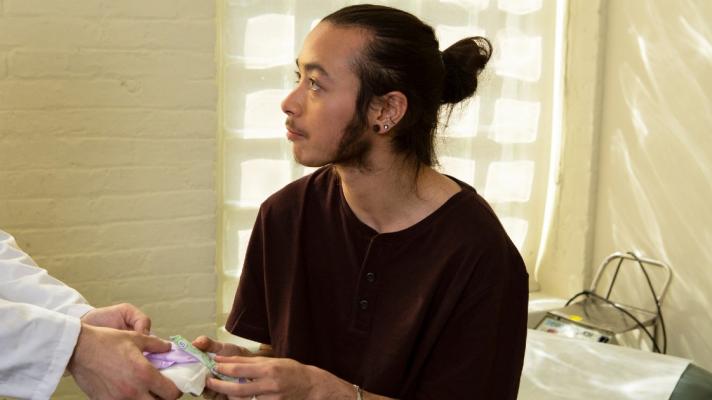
(109, 364)
(36, 345)
(41, 335)
(273, 376)
(22, 281)
(283, 378)
(36, 341)
(481, 347)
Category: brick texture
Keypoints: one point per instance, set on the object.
(3, 65)
(108, 131)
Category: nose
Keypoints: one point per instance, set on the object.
(292, 104)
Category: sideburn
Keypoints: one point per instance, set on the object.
(354, 147)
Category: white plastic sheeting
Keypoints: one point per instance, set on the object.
(556, 367)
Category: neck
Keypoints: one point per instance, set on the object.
(394, 195)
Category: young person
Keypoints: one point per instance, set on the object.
(47, 328)
(376, 276)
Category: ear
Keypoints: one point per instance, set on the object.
(387, 110)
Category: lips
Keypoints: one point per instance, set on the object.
(293, 132)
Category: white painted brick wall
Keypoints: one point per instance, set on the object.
(108, 148)
(3, 65)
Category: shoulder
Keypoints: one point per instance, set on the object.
(473, 218)
(480, 237)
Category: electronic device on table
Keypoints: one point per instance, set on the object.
(600, 319)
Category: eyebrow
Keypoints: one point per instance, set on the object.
(308, 67)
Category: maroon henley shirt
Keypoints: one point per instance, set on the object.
(435, 311)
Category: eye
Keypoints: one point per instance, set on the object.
(313, 85)
(297, 77)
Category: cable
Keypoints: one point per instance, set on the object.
(659, 314)
(655, 298)
(586, 292)
(656, 348)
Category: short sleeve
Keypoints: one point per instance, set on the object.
(480, 352)
(249, 317)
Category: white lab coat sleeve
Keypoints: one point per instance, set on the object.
(39, 325)
(22, 281)
(35, 347)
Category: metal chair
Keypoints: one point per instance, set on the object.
(599, 318)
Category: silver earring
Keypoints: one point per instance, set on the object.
(385, 127)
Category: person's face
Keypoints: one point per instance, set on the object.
(321, 108)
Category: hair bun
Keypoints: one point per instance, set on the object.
(463, 62)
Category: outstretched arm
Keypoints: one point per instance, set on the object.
(282, 378)
(41, 335)
(272, 378)
(109, 364)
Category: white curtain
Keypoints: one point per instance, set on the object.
(499, 142)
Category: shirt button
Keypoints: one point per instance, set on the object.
(371, 277)
(363, 304)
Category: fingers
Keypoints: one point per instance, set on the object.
(206, 344)
(121, 316)
(135, 318)
(233, 389)
(242, 370)
(163, 387)
(151, 344)
(239, 359)
(141, 323)
(108, 363)
(160, 386)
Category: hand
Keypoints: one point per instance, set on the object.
(271, 378)
(121, 316)
(109, 364)
(208, 345)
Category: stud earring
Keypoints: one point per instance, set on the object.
(385, 127)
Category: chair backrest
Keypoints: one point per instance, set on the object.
(654, 268)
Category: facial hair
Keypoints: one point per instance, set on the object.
(354, 146)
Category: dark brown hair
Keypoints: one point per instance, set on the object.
(403, 55)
